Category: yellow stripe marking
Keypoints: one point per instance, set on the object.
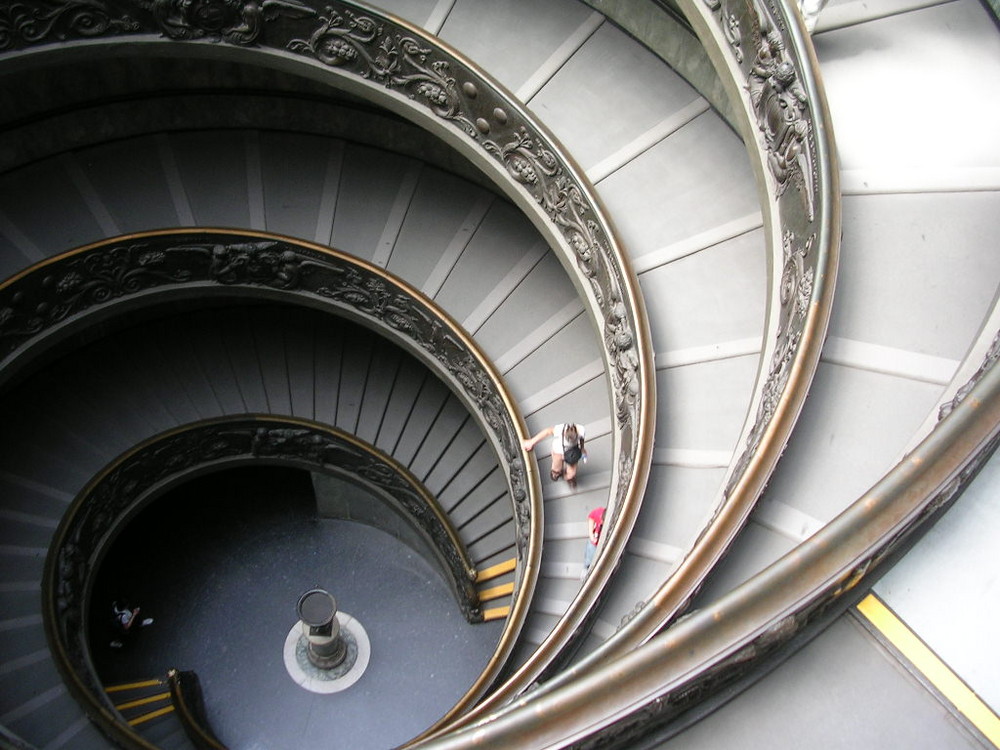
(150, 716)
(496, 613)
(496, 592)
(497, 570)
(950, 685)
(132, 686)
(143, 701)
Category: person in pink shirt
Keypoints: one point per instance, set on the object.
(595, 524)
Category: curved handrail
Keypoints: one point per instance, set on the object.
(768, 65)
(56, 297)
(716, 647)
(152, 468)
(417, 76)
(401, 68)
(185, 692)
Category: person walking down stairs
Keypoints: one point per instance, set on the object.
(567, 450)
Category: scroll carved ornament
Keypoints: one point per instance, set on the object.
(797, 277)
(360, 44)
(26, 23)
(41, 302)
(730, 25)
(783, 109)
(989, 360)
(780, 104)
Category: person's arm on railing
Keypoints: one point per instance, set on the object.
(531, 442)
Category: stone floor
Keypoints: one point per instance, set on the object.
(220, 563)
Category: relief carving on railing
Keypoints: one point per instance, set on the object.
(796, 290)
(782, 116)
(234, 22)
(23, 24)
(358, 43)
(777, 97)
(26, 23)
(41, 301)
(781, 107)
(38, 303)
(989, 360)
(730, 25)
(531, 164)
(361, 44)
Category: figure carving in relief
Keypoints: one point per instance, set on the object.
(780, 104)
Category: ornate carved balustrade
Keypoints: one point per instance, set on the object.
(765, 63)
(42, 306)
(624, 693)
(404, 70)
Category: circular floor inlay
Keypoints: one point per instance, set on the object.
(342, 676)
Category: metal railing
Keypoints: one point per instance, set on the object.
(406, 71)
(185, 692)
(64, 294)
(712, 649)
(766, 63)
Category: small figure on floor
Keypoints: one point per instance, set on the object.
(123, 620)
(595, 524)
(567, 450)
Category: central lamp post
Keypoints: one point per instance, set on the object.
(317, 610)
(326, 650)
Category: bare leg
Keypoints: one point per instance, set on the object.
(557, 466)
(571, 474)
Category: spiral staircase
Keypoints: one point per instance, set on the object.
(718, 612)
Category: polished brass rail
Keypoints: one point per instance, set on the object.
(723, 644)
(63, 294)
(399, 67)
(768, 68)
(185, 691)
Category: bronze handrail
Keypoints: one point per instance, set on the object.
(185, 692)
(427, 82)
(724, 643)
(768, 67)
(51, 300)
(397, 66)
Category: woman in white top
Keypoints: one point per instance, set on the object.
(567, 449)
